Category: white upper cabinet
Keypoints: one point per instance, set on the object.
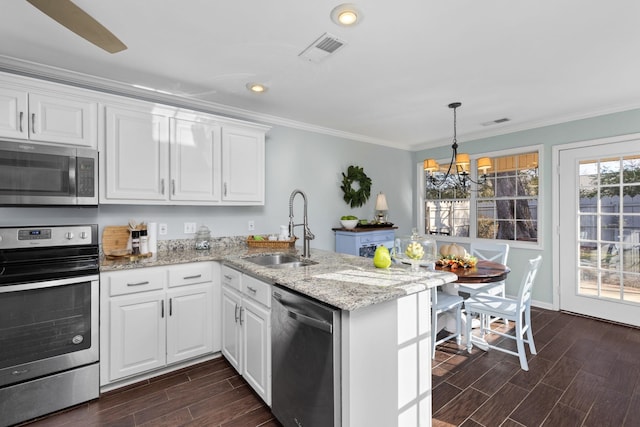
(135, 160)
(195, 160)
(156, 154)
(37, 114)
(243, 171)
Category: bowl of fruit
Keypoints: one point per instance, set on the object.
(349, 221)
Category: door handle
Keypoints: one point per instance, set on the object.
(146, 282)
(21, 115)
(170, 306)
(162, 308)
(235, 314)
(33, 123)
(241, 311)
(310, 321)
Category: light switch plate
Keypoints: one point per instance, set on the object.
(189, 228)
(162, 229)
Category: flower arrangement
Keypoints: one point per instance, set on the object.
(455, 261)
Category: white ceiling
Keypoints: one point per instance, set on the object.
(535, 62)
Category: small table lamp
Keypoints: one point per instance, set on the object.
(381, 209)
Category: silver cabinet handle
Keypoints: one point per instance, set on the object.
(197, 276)
(310, 321)
(146, 282)
(170, 306)
(162, 308)
(225, 188)
(173, 187)
(162, 186)
(33, 123)
(21, 116)
(252, 290)
(241, 311)
(235, 314)
(226, 276)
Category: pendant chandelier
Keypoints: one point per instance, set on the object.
(458, 170)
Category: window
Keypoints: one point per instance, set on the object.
(504, 206)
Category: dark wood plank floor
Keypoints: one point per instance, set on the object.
(586, 373)
(209, 394)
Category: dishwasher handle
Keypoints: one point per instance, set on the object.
(310, 321)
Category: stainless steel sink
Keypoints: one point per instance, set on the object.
(280, 261)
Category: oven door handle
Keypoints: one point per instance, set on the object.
(48, 283)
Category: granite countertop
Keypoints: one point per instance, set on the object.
(341, 280)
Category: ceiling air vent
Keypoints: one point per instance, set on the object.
(495, 122)
(322, 47)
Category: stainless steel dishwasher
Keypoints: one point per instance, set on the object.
(305, 343)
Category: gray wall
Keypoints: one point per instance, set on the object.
(294, 159)
(609, 125)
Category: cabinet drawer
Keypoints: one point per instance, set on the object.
(231, 277)
(190, 274)
(129, 282)
(257, 290)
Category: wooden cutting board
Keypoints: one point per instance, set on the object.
(115, 239)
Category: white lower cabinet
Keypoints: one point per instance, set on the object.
(157, 316)
(246, 328)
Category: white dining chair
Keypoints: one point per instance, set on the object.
(490, 251)
(442, 302)
(517, 310)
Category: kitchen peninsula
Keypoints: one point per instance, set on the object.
(385, 324)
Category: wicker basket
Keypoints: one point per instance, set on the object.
(273, 244)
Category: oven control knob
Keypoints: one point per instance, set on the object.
(84, 235)
(68, 235)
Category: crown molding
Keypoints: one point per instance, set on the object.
(86, 81)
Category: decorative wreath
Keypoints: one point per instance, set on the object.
(356, 198)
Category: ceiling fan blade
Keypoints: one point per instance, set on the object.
(80, 22)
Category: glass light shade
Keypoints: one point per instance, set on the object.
(484, 164)
(381, 203)
(430, 165)
(348, 17)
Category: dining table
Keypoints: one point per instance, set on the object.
(472, 280)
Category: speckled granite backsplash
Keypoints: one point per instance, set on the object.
(187, 244)
(215, 242)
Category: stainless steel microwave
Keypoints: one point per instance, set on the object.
(38, 174)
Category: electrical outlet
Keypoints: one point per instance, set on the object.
(252, 225)
(162, 229)
(189, 228)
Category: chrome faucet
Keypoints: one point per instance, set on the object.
(308, 235)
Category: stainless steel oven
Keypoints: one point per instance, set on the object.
(49, 319)
(38, 174)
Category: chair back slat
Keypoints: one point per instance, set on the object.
(496, 252)
(524, 294)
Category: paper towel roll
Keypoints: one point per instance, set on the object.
(152, 235)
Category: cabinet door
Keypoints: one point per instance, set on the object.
(13, 113)
(189, 322)
(256, 324)
(137, 334)
(231, 343)
(65, 120)
(242, 165)
(136, 145)
(195, 161)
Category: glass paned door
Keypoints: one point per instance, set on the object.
(600, 231)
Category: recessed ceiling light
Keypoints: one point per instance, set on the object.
(256, 87)
(346, 15)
